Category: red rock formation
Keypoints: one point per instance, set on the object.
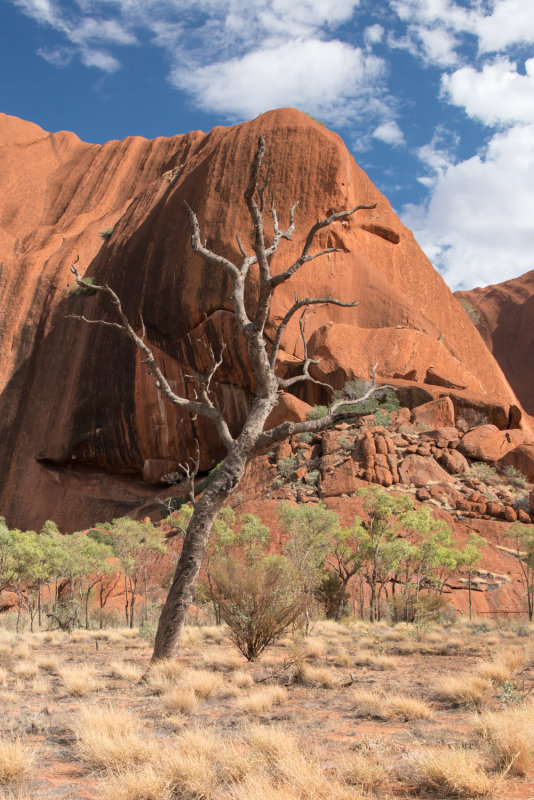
(81, 424)
(504, 314)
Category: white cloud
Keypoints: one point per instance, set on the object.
(317, 76)
(511, 22)
(373, 34)
(99, 59)
(390, 133)
(436, 28)
(57, 56)
(496, 94)
(477, 226)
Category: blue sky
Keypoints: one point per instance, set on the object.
(435, 98)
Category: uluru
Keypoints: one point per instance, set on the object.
(84, 433)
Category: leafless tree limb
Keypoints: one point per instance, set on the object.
(192, 406)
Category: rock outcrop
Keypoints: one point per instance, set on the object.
(83, 433)
(504, 315)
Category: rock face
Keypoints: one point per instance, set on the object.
(504, 315)
(83, 433)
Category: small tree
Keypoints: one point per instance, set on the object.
(309, 527)
(251, 317)
(469, 559)
(254, 592)
(522, 539)
(134, 543)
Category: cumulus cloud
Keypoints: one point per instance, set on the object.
(477, 225)
(496, 94)
(390, 133)
(310, 74)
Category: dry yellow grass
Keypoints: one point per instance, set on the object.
(461, 690)
(309, 675)
(364, 771)
(48, 663)
(398, 707)
(143, 783)
(79, 681)
(509, 736)
(261, 699)
(164, 675)
(16, 759)
(224, 660)
(203, 682)
(112, 738)
(180, 698)
(366, 658)
(124, 671)
(495, 671)
(453, 772)
(3, 676)
(242, 679)
(25, 670)
(40, 685)
(315, 647)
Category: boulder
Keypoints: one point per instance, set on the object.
(436, 414)
(422, 470)
(484, 443)
(289, 409)
(522, 459)
(531, 501)
(454, 462)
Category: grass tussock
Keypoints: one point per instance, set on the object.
(180, 699)
(25, 670)
(365, 771)
(48, 663)
(262, 699)
(124, 671)
(221, 660)
(79, 681)
(509, 737)
(111, 738)
(16, 759)
(323, 677)
(144, 783)
(453, 772)
(394, 707)
(461, 690)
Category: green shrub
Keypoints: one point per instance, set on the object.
(107, 234)
(305, 438)
(470, 310)
(317, 412)
(484, 472)
(515, 477)
(312, 477)
(204, 482)
(286, 467)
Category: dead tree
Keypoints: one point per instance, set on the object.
(262, 355)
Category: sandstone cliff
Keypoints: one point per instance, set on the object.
(83, 433)
(504, 314)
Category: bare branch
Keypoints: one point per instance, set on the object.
(160, 380)
(191, 472)
(306, 301)
(285, 383)
(305, 255)
(335, 414)
(202, 250)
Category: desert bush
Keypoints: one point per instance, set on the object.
(84, 290)
(515, 477)
(286, 467)
(257, 601)
(484, 472)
